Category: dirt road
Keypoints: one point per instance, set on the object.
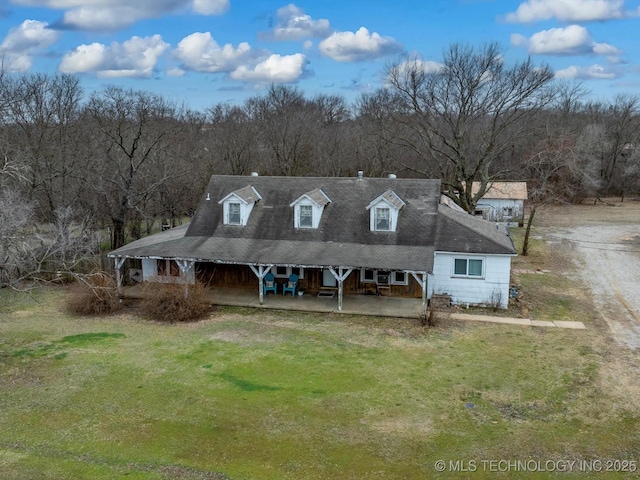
(605, 245)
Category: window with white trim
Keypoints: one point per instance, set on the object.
(382, 220)
(306, 216)
(399, 278)
(235, 217)
(467, 267)
(284, 272)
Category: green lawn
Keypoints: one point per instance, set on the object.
(253, 394)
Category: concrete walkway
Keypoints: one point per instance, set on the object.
(368, 305)
(518, 321)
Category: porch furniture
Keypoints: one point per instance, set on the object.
(270, 283)
(291, 285)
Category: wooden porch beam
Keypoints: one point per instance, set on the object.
(260, 272)
(340, 276)
(185, 266)
(119, 262)
(422, 280)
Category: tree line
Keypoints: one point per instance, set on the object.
(124, 160)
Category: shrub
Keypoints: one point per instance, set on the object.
(429, 317)
(93, 294)
(175, 302)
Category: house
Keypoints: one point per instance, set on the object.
(502, 202)
(386, 236)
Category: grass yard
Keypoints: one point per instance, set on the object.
(252, 394)
(551, 290)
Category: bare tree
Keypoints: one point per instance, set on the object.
(554, 166)
(286, 126)
(380, 133)
(40, 118)
(611, 138)
(466, 113)
(232, 137)
(133, 126)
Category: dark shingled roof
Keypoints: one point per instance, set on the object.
(464, 233)
(248, 194)
(343, 237)
(390, 197)
(317, 196)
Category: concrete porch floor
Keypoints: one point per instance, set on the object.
(371, 305)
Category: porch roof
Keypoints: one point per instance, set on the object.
(174, 244)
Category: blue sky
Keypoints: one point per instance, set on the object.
(203, 52)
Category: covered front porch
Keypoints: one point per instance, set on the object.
(370, 305)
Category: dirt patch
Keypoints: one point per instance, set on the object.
(602, 242)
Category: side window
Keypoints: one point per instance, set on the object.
(460, 266)
(467, 267)
(475, 268)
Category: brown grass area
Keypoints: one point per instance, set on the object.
(610, 210)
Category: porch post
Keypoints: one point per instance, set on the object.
(422, 280)
(185, 266)
(260, 272)
(340, 277)
(119, 262)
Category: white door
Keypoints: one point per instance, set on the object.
(328, 280)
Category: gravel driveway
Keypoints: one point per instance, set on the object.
(608, 257)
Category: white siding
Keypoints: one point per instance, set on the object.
(149, 269)
(150, 273)
(472, 291)
(495, 209)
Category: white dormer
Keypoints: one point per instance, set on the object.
(383, 212)
(308, 208)
(237, 206)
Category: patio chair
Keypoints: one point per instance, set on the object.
(291, 285)
(270, 284)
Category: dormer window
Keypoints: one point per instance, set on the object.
(306, 216)
(382, 219)
(383, 212)
(237, 206)
(308, 209)
(235, 217)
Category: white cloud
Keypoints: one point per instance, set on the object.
(586, 73)
(567, 10)
(175, 72)
(294, 24)
(605, 49)
(210, 7)
(427, 66)
(22, 42)
(358, 46)
(276, 69)
(109, 15)
(136, 57)
(571, 40)
(201, 53)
